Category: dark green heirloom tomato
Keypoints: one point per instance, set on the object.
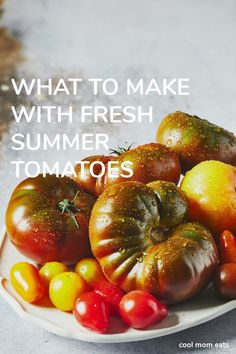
(150, 162)
(135, 252)
(47, 219)
(196, 140)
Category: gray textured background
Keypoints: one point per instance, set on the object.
(184, 38)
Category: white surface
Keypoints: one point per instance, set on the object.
(202, 308)
(189, 38)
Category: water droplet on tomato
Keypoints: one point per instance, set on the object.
(121, 250)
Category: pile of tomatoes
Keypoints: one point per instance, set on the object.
(152, 237)
(86, 292)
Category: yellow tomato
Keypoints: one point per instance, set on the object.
(90, 270)
(64, 288)
(211, 189)
(50, 270)
(25, 279)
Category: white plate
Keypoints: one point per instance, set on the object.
(202, 308)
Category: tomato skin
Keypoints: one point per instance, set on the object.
(150, 162)
(210, 187)
(111, 293)
(225, 280)
(87, 181)
(90, 270)
(25, 279)
(64, 289)
(92, 311)
(136, 254)
(196, 140)
(227, 247)
(139, 309)
(174, 203)
(50, 270)
(38, 227)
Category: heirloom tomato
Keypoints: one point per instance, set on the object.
(211, 189)
(47, 219)
(150, 162)
(137, 253)
(196, 140)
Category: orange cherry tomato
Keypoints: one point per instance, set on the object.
(25, 279)
(50, 270)
(90, 270)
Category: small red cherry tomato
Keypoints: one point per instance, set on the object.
(92, 311)
(139, 309)
(225, 280)
(227, 247)
(111, 293)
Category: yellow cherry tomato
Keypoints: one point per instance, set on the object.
(90, 270)
(64, 289)
(25, 279)
(50, 270)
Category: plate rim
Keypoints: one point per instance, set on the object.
(89, 336)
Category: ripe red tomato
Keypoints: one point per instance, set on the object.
(111, 293)
(139, 309)
(227, 247)
(150, 162)
(92, 311)
(225, 280)
(47, 219)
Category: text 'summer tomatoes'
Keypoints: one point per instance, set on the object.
(137, 253)
(139, 309)
(150, 162)
(92, 311)
(25, 279)
(47, 219)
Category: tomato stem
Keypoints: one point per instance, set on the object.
(120, 150)
(69, 207)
